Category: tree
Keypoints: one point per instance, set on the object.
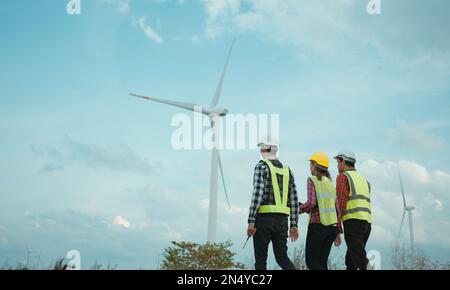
(405, 259)
(191, 256)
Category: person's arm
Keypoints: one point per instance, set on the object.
(293, 199)
(259, 183)
(339, 216)
(311, 201)
(342, 191)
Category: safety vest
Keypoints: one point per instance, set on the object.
(326, 200)
(358, 204)
(280, 203)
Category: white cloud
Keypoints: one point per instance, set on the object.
(94, 237)
(416, 136)
(234, 210)
(115, 158)
(121, 221)
(204, 204)
(415, 172)
(292, 21)
(195, 39)
(425, 189)
(218, 14)
(148, 30)
(171, 235)
(379, 234)
(324, 25)
(124, 7)
(3, 239)
(433, 202)
(411, 50)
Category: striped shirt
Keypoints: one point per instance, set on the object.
(263, 191)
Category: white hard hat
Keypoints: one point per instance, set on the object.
(346, 155)
(269, 140)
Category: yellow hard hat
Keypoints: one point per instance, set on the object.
(320, 158)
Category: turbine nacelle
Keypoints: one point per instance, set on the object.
(221, 112)
(410, 208)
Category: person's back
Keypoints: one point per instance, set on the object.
(353, 193)
(324, 215)
(274, 200)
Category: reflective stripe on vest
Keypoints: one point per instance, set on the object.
(280, 202)
(326, 200)
(358, 204)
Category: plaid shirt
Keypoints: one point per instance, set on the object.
(311, 207)
(343, 190)
(263, 191)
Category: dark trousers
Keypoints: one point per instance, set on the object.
(356, 233)
(271, 228)
(319, 240)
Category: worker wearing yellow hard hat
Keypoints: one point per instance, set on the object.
(324, 214)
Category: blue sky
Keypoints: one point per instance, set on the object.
(77, 152)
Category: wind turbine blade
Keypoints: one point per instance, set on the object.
(187, 106)
(216, 97)
(223, 180)
(401, 186)
(401, 225)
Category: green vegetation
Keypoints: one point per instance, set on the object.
(218, 256)
(191, 256)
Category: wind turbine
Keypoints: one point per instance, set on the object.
(406, 209)
(214, 113)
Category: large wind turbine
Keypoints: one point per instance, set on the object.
(213, 113)
(406, 209)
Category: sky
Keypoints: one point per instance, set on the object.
(85, 166)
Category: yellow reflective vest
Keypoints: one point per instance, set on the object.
(358, 204)
(326, 200)
(280, 202)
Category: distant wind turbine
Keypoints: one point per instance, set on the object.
(406, 209)
(213, 113)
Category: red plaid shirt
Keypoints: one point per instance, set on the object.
(311, 207)
(342, 191)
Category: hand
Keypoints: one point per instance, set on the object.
(338, 241)
(293, 234)
(251, 230)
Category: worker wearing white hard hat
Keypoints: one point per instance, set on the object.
(274, 199)
(346, 155)
(353, 193)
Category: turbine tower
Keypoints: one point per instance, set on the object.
(406, 209)
(214, 113)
